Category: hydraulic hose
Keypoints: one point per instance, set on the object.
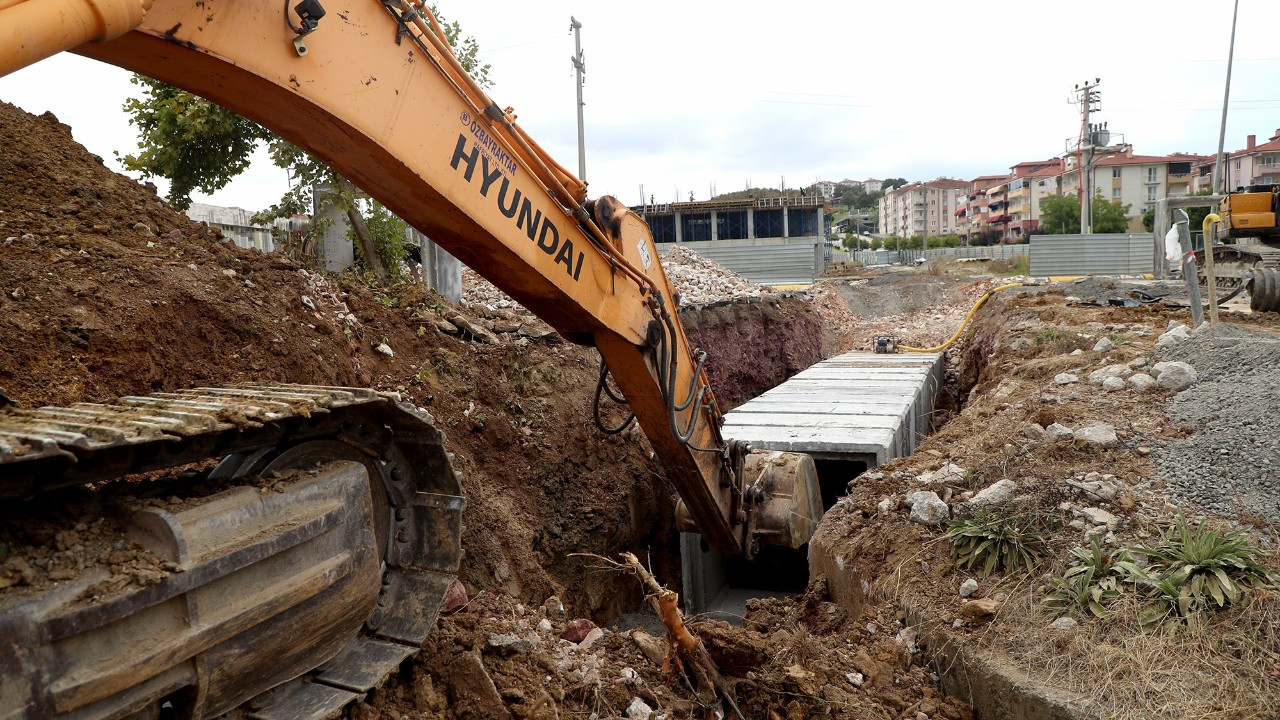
(967, 318)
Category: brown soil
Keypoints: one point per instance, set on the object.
(755, 345)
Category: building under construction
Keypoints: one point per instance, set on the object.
(776, 241)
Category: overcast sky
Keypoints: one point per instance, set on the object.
(686, 95)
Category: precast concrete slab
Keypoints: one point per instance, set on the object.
(864, 405)
(851, 412)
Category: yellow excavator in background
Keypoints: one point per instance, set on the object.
(1248, 253)
(291, 604)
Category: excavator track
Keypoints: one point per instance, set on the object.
(1251, 266)
(290, 594)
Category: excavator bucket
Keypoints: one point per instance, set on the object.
(790, 501)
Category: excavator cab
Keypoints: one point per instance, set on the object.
(1251, 212)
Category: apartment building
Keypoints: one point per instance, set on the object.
(924, 208)
(1138, 181)
(1256, 164)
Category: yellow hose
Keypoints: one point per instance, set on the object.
(981, 301)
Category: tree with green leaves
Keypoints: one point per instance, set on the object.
(199, 145)
(893, 183)
(1060, 215)
(1108, 216)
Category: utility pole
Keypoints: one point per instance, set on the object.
(1087, 95)
(579, 65)
(1220, 178)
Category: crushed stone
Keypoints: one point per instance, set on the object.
(1230, 463)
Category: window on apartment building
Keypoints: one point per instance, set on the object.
(1151, 193)
(1115, 193)
(1237, 164)
(1115, 173)
(1151, 174)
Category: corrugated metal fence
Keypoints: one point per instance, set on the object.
(1096, 254)
(766, 264)
(893, 257)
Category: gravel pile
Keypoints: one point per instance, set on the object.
(1230, 463)
(701, 281)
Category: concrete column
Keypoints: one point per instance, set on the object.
(751, 224)
(335, 248)
(715, 228)
(822, 230)
(679, 234)
(785, 229)
(441, 271)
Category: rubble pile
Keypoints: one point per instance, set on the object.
(701, 281)
(478, 291)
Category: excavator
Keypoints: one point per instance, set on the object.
(1249, 234)
(312, 558)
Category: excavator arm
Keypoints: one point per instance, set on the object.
(372, 89)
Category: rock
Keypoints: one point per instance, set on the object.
(1098, 435)
(968, 587)
(1098, 516)
(1065, 622)
(1077, 351)
(996, 493)
(455, 598)
(444, 326)
(552, 607)
(308, 303)
(650, 646)
(979, 610)
(577, 630)
(638, 710)
(591, 639)
(855, 679)
(1117, 371)
(1137, 363)
(544, 625)
(509, 643)
(1112, 384)
(885, 506)
(1176, 376)
(1020, 344)
(1172, 337)
(1032, 431)
(384, 349)
(927, 508)
(1057, 432)
(1174, 324)
(1065, 379)
(174, 234)
(142, 229)
(947, 474)
(1104, 346)
(628, 674)
(1142, 382)
(229, 272)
